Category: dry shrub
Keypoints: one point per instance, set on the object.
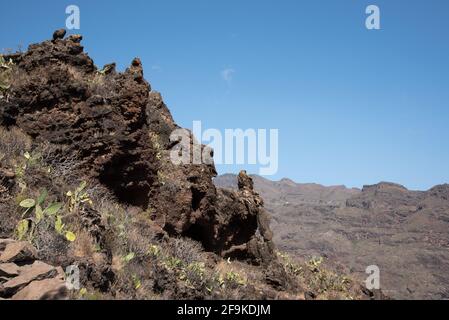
(104, 86)
(186, 250)
(13, 143)
(8, 219)
(6, 73)
(61, 164)
(136, 243)
(84, 246)
(53, 248)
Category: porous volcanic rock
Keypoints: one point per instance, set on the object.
(119, 131)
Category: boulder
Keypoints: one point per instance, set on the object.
(18, 252)
(241, 217)
(47, 289)
(24, 278)
(59, 34)
(4, 243)
(9, 270)
(34, 272)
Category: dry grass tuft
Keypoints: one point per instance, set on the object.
(13, 143)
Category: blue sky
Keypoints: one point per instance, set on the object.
(353, 106)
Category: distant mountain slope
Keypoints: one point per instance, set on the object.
(286, 190)
(405, 233)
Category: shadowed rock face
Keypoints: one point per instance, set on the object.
(119, 132)
(58, 96)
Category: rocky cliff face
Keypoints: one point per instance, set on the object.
(118, 132)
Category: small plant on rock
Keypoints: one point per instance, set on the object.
(130, 256)
(172, 262)
(156, 144)
(315, 263)
(29, 160)
(26, 227)
(5, 73)
(136, 281)
(154, 250)
(61, 230)
(78, 197)
(234, 278)
(194, 273)
(28, 224)
(289, 264)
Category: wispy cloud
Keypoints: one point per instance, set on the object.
(227, 74)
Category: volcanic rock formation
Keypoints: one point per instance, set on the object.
(118, 132)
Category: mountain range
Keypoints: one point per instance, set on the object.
(403, 232)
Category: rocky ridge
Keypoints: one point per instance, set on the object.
(118, 130)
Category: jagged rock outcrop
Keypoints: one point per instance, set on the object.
(23, 277)
(258, 246)
(382, 195)
(59, 34)
(118, 130)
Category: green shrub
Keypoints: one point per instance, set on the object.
(34, 214)
(5, 73)
(78, 197)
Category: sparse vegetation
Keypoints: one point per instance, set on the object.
(154, 138)
(13, 143)
(78, 197)
(142, 262)
(27, 226)
(6, 69)
(317, 278)
(233, 277)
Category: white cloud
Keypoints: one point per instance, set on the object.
(227, 74)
